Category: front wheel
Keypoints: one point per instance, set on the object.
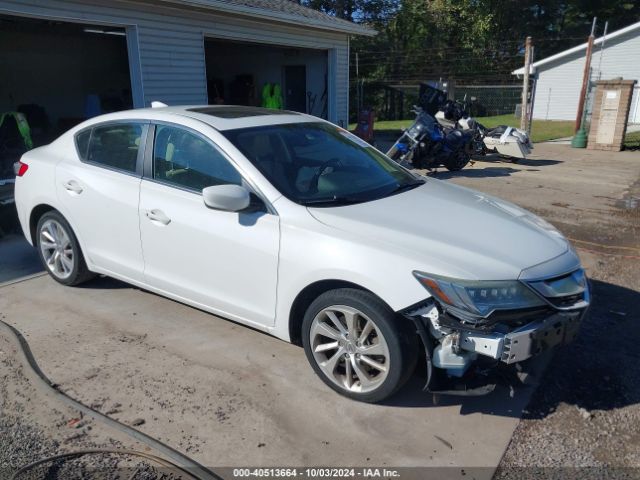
(357, 345)
(457, 161)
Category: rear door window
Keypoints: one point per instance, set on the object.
(114, 145)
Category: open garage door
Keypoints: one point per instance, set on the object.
(53, 76)
(58, 74)
(240, 73)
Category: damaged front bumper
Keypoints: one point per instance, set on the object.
(463, 360)
(524, 342)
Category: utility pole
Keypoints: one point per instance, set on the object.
(585, 77)
(533, 92)
(357, 83)
(579, 139)
(604, 39)
(524, 112)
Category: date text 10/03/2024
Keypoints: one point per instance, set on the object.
(319, 472)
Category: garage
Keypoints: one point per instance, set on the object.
(60, 73)
(75, 59)
(64, 61)
(243, 73)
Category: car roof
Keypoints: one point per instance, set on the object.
(220, 117)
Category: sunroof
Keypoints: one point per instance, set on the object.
(237, 112)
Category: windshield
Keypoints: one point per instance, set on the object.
(321, 165)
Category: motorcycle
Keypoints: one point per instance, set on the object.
(427, 144)
(509, 142)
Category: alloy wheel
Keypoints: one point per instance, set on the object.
(57, 249)
(349, 348)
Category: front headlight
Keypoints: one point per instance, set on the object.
(472, 301)
(414, 130)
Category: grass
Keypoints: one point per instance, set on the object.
(632, 140)
(541, 130)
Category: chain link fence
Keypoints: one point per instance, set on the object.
(490, 100)
(395, 101)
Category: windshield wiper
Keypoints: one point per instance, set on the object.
(335, 200)
(403, 187)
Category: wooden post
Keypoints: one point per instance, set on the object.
(524, 113)
(585, 78)
(358, 100)
(534, 84)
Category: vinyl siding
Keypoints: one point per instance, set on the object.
(560, 82)
(167, 56)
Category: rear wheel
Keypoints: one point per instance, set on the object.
(357, 345)
(59, 250)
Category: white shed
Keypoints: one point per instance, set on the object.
(70, 59)
(559, 77)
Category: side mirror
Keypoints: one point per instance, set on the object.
(229, 198)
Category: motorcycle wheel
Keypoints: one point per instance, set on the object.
(457, 162)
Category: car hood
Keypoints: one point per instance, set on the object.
(451, 230)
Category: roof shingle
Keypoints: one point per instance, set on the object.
(284, 10)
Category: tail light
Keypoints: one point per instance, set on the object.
(20, 168)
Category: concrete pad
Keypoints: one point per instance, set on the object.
(582, 192)
(230, 396)
(17, 258)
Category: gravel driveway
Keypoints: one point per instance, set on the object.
(586, 411)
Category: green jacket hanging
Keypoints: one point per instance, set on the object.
(23, 127)
(277, 97)
(272, 96)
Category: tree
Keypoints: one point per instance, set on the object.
(355, 10)
(464, 38)
(469, 41)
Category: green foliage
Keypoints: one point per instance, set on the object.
(462, 41)
(355, 10)
(632, 141)
(461, 38)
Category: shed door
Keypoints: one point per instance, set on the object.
(295, 81)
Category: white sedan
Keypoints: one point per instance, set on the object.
(293, 226)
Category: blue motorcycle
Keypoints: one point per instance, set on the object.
(427, 144)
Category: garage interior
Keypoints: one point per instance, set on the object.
(58, 74)
(237, 72)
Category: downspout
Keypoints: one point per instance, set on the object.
(135, 66)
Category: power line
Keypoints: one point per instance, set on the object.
(537, 41)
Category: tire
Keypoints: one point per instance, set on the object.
(341, 360)
(458, 162)
(60, 251)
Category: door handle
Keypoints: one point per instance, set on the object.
(72, 186)
(159, 216)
